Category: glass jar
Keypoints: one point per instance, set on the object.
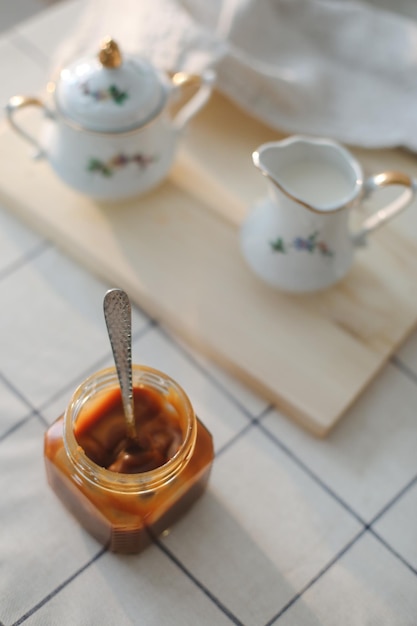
(122, 510)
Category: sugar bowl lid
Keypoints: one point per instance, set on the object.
(108, 93)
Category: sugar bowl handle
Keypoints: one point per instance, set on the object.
(15, 104)
(381, 216)
(192, 106)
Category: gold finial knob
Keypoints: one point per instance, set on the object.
(110, 55)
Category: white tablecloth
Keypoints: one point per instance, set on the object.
(292, 530)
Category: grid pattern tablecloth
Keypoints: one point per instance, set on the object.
(292, 530)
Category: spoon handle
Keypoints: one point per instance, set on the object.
(118, 316)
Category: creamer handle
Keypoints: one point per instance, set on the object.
(392, 209)
(15, 104)
(190, 108)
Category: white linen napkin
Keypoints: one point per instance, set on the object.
(336, 68)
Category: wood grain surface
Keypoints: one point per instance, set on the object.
(175, 251)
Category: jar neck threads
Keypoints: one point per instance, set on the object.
(106, 380)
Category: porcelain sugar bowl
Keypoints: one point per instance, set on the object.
(109, 130)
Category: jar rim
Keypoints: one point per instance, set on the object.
(142, 481)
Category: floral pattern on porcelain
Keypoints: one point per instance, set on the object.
(111, 93)
(309, 244)
(108, 168)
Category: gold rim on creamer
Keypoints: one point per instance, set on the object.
(351, 199)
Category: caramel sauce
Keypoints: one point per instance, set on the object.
(100, 430)
(127, 521)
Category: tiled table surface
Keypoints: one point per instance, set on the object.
(292, 531)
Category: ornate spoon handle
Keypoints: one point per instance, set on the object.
(118, 316)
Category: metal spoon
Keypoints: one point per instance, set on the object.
(118, 316)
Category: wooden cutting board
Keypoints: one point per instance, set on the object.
(175, 251)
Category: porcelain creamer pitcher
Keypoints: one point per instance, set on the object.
(109, 130)
(298, 237)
